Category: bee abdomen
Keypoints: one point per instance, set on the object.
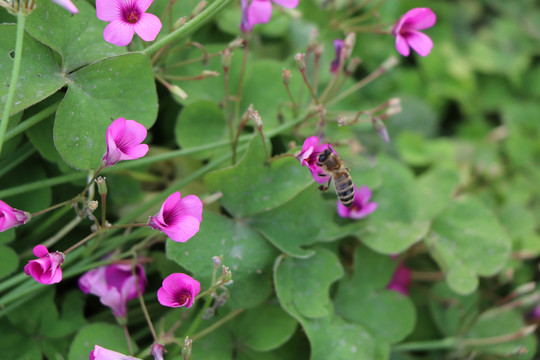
(344, 189)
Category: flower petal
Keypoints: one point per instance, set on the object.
(118, 33)
(287, 3)
(148, 27)
(259, 12)
(364, 211)
(68, 5)
(402, 46)
(184, 230)
(108, 10)
(419, 19)
(143, 5)
(420, 42)
(363, 194)
(40, 251)
(191, 205)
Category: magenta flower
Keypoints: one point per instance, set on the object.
(401, 280)
(178, 290)
(126, 18)
(338, 46)
(178, 218)
(124, 139)
(407, 34)
(115, 285)
(260, 11)
(100, 353)
(46, 269)
(308, 157)
(361, 207)
(10, 217)
(157, 351)
(68, 5)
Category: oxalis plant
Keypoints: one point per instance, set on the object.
(161, 168)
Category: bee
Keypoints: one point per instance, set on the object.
(332, 165)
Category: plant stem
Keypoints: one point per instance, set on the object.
(198, 318)
(446, 343)
(31, 121)
(189, 27)
(217, 324)
(70, 249)
(22, 154)
(21, 19)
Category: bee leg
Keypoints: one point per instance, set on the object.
(325, 187)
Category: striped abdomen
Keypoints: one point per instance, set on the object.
(344, 187)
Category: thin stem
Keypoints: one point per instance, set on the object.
(103, 209)
(128, 339)
(293, 102)
(311, 91)
(198, 317)
(387, 65)
(21, 19)
(446, 343)
(70, 249)
(68, 202)
(189, 27)
(228, 115)
(31, 121)
(500, 339)
(60, 234)
(143, 305)
(217, 324)
(191, 61)
(241, 79)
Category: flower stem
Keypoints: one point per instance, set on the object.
(189, 27)
(446, 343)
(80, 243)
(21, 19)
(68, 202)
(198, 318)
(217, 324)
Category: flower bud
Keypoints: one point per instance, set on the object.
(217, 261)
(221, 299)
(208, 313)
(236, 43)
(286, 76)
(198, 9)
(390, 63)
(380, 128)
(92, 205)
(157, 351)
(177, 91)
(350, 40)
(101, 185)
(256, 118)
(226, 273)
(209, 73)
(300, 61)
(226, 59)
(179, 23)
(352, 66)
(186, 349)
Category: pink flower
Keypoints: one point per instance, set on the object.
(361, 207)
(401, 280)
(68, 5)
(115, 285)
(127, 17)
(157, 351)
(407, 34)
(178, 218)
(178, 290)
(124, 139)
(10, 217)
(260, 11)
(338, 46)
(100, 353)
(308, 157)
(46, 269)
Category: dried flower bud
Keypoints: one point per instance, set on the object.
(256, 118)
(352, 66)
(226, 273)
(236, 43)
(394, 102)
(179, 23)
(226, 59)
(208, 313)
(221, 299)
(217, 261)
(341, 120)
(300, 61)
(209, 73)
(380, 128)
(101, 185)
(350, 40)
(319, 49)
(286, 76)
(198, 9)
(177, 91)
(390, 63)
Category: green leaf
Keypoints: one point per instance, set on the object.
(363, 298)
(394, 226)
(9, 260)
(39, 75)
(98, 94)
(70, 320)
(499, 322)
(199, 123)
(251, 186)
(264, 328)
(78, 38)
(303, 284)
(244, 251)
(467, 241)
(15, 345)
(302, 287)
(105, 335)
(216, 346)
(451, 311)
(31, 201)
(299, 219)
(435, 190)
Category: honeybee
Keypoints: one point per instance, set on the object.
(332, 165)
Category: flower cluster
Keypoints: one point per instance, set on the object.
(308, 156)
(115, 285)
